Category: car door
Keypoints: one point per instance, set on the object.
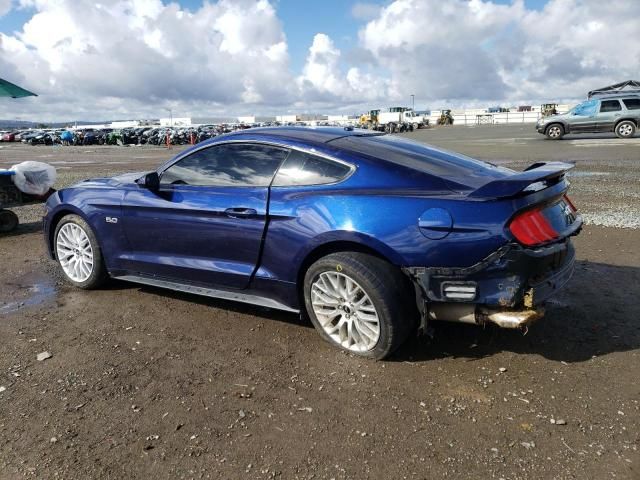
(583, 117)
(610, 111)
(205, 223)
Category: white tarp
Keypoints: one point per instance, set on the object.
(34, 178)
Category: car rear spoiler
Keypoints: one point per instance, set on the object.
(537, 177)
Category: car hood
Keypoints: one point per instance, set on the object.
(117, 181)
(557, 116)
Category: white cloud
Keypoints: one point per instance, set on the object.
(323, 82)
(576, 46)
(137, 56)
(321, 70)
(5, 7)
(439, 50)
(130, 58)
(478, 52)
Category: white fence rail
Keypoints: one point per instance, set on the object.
(491, 118)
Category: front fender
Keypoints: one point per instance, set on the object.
(94, 206)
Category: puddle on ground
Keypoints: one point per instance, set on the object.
(37, 293)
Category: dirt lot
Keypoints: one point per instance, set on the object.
(145, 383)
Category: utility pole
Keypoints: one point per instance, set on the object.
(170, 116)
(413, 102)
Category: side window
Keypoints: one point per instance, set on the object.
(610, 106)
(226, 165)
(632, 103)
(305, 169)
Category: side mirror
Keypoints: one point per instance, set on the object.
(150, 181)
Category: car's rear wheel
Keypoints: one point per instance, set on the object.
(359, 303)
(8, 221)
(625, 129)
(555, 131)
(78, 253)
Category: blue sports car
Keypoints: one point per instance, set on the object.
(371, 235)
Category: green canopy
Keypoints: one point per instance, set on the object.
(8, 89)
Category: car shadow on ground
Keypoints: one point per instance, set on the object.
(594, 136)
(596, 314)
(235, 307)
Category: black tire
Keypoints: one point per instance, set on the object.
(8, 221)
(99, 273)
(555, 131)
(625, 129)
(391, 293)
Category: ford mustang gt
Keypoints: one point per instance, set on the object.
(371, 235)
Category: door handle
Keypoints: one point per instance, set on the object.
(240, 212)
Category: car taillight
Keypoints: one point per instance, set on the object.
(532, 228)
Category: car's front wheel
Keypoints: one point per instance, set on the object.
(78, 253)
(625, 129)
(555, 131)
(360, 303)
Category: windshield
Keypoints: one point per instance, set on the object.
(584, 109)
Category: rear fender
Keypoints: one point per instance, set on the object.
(346, 237)
(635, 121)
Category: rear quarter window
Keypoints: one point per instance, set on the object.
(420, 157)
(302, 168)
(632, 103)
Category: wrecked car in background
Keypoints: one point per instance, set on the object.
(371, 235)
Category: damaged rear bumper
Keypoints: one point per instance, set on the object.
(516, 318)
(508, 288)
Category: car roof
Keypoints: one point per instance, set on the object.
(616, 96)
(304, 134)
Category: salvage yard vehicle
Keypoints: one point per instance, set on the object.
(27, 183)
(400, 119)
(8, 136)
(547, 109)
(371, 235)
(369, 120)
(10, 196)
(608, 113)
(446, 118)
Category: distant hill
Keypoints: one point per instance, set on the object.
(6, 124)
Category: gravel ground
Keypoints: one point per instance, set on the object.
(147, 383)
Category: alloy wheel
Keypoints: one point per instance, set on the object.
(554, 131)
(345, 311)
(74, 252)
(625, 130)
